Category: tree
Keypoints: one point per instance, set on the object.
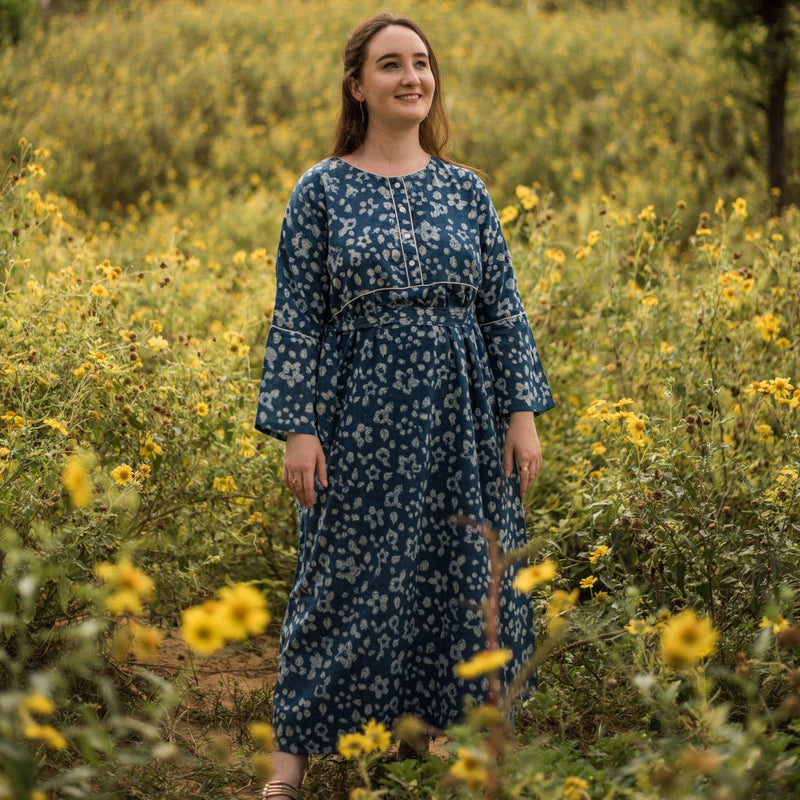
(16, 17)
(764, 34)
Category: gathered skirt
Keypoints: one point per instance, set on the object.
(389, 589)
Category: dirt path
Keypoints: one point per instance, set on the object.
(252, 665)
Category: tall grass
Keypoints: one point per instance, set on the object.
(632, 99)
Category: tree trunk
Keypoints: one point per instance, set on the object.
(778, 57)
(776, 138)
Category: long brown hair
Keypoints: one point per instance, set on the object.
(434, 130)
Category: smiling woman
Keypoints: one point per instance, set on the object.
(395, 88)
(402, 373)
(367, 44)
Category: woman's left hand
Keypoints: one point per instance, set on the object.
(522, 446)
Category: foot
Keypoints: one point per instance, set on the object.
(278, 790)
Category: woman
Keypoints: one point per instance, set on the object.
(402, 373)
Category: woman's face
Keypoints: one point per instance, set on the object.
(396, 81)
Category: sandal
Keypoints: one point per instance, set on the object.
(280, 789)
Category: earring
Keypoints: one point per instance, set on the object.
(363, 116)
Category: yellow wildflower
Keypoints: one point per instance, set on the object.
(686, 639)
(635, 427)
(589, 582)
(146, 641)
(638, 627)
(201, 408)
(201, 628)
(764, 431)
(768, 325)
(482, 663)
(226, 485)
(647, 214)
(46, 733)
(561, 601)
(243, 610)
(124, 601)
(781, 388)
(729, 294)
(75, 479)
(575, 788)
(131, 586)
(158, 343)
(598, 553)
(508, 215)
(471, 766)
(39, 704)
(150, 449)
(122, 475)
(376, 737)
(352, 745)
(262, 733)
(528, 578)
(555, 254)
(56, 425)
(34, 198)
(777, 624)
(126, 576)
(143, 473)
(527, 197)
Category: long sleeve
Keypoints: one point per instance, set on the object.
(288, 380)
(519, 378)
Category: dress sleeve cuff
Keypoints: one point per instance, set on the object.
(288, 381)
(519, 380)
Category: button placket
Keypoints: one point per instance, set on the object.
(405, 224)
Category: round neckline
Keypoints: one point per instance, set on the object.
(387, 177)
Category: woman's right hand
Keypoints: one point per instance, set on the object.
(303, 459)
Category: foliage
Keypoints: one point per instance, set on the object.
(763, 36)
(135, 289)
(150, 101)
(17, 17)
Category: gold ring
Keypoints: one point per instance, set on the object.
(296, 480)
(524, 469)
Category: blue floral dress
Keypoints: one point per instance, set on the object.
(400, 340)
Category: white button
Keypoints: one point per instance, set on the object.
(411, 263)
(401, 209)
(406, 235)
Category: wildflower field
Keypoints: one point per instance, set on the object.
(147, 150)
